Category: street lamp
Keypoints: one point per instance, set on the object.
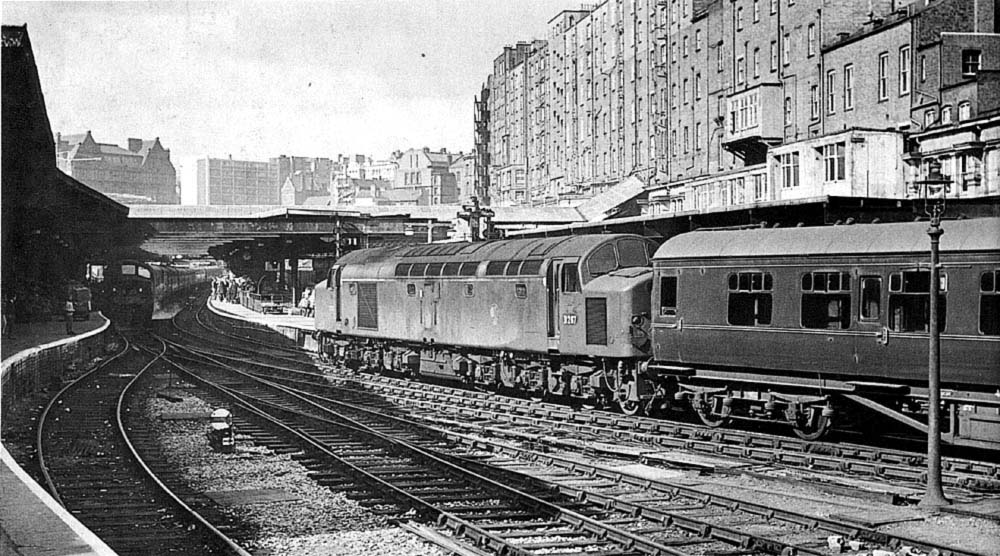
(933, 189)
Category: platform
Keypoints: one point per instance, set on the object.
(271, 320)
(32, 523)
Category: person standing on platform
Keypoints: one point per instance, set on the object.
(68, 314)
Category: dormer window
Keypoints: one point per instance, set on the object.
(971, 60)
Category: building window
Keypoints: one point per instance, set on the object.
(687, 140)
(929, 116)
(909, 301)
(673, 52)
(740, 69)
(811, 40)
(673, 95)
(814, 102)
(834, 162)
(697, 136)
(946, 114)
(786, 49)
(883, 76)
(756, 62)
(750, 298)
(774, 7)
(739, 18)
(849, 87)
(831, 95)
(788, 111)
(756, 11)
(684, 90)
(774, 56)
(923, 69)
(971, 60)
(964, 111)
(788, 170)
(697, 86)
(719, 58)
(684, 46)
(904, 70)
(826, 300)
(697, 40)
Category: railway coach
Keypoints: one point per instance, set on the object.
(560, 316)
(809, 325)
(137, 292)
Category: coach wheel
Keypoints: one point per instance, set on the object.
(630, 407)
(703, 407)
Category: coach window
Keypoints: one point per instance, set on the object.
(512, 268)
(602, 261)
(871, 297)
(826, 300)
(750, 298)
(570, 278)
(403, 269)
(910, 301)
(530, 268)
(451, 269)
(989, 303)
(668, 295)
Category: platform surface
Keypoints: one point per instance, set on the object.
(272, 320)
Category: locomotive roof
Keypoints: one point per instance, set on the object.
(979, 234)
(497, 250)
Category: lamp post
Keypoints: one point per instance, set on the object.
(933, 189)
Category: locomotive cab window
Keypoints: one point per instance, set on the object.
(989, 303)
(632, 252)
(826, 300)
(128, 269)
(570, 279)
(143, 272)
(602, 261)
(750, 298)
(668, 295)
(910, 300)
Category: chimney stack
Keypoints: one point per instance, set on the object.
(134, 145)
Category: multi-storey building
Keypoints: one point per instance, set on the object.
(141, 173)
(464, 170)
(427, 174)
(716, 103)
(224, 181)
(307, 176)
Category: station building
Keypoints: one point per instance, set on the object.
(141, 173)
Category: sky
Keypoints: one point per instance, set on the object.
(259, 79)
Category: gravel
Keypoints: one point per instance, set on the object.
(319, 522)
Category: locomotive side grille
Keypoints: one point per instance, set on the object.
(368, 305)
(597, 321)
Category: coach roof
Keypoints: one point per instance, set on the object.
(980, 234)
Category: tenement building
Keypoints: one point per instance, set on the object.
(725, 103)
(139, 174)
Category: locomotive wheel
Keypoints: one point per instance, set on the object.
(813, 426)
(711, 419)
(630, 407)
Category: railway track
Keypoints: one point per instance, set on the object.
(645, 439)
(88, 449)
(664, 517)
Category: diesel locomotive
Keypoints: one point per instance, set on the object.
(806, 326)
(137, 292)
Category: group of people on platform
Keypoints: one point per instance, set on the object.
(230, 288)
(41, 302)
(307, 302)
